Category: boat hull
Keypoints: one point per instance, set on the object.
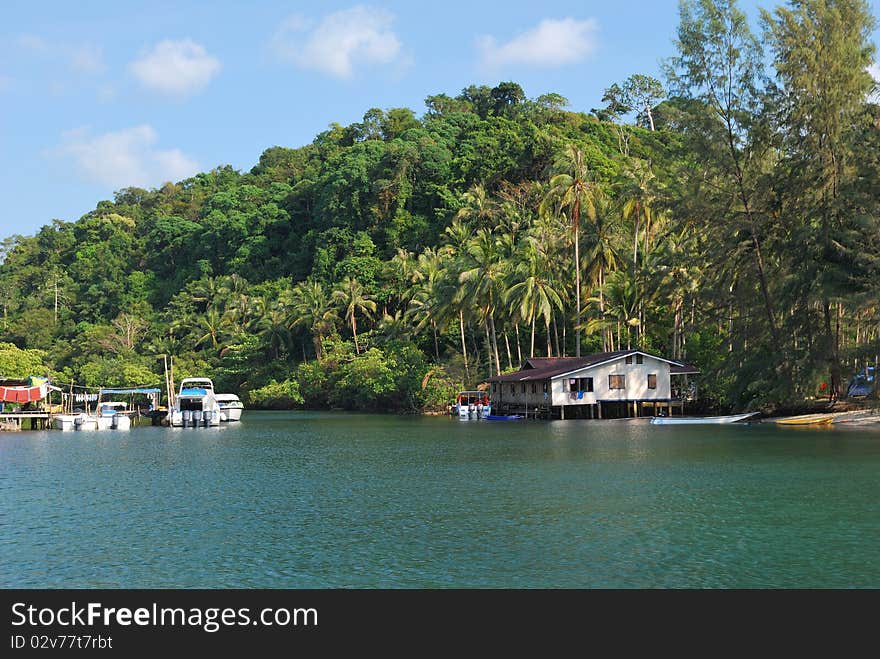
(230, 413)
(694, 420)
(64, 421)
(84, 422)
(811, 420)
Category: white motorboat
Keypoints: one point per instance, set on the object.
(85, 422)
(681, 420)
(231, 407)
(112, 415)
(196, 405)
(64, 421)
(473, 405)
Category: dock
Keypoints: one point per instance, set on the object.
(14, 420)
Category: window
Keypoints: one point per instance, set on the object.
(629, 359)
(652, 380)
(586, 384)
(524, 387)
(513, 388)
(494, 387)
(572, 385)
(534, 388)
(617, 382)
(544, 386)
(640, 359)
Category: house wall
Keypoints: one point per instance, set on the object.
(504, 394)
(636, 382)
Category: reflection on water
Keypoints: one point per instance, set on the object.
(300, 500)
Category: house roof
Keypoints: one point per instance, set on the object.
(683, 368)
(543, 368)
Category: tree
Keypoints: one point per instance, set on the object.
(719, 67)
(354, 300)
(571, 188)
(822, 51)
(311, 307)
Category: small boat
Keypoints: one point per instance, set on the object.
(473, 405)
(230, 407)
(85, 422)
(504, 417)
(113, 415)
(806, 420)
(64, 421)
(675, 420)
(196, 404)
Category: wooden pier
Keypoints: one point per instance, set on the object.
(14, 420)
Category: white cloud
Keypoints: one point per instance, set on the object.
(124, 158)
(176, 68)
(551, 43)
(874, 70)
(340, 41)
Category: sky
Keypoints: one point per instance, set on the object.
(99, 95)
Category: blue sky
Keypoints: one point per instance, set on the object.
(96, 95)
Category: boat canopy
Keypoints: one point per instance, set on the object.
(147, 391)
(193, 392)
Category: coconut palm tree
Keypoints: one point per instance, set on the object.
(533, 294)
(353, 300)
(310, 307)
(571, 188)
(479, 208)
(602, 253)
(484, 270)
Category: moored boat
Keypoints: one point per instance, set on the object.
(85, 422)
(806, 420)
(676, 420)
(473, 405)
(196, 404)
(64, 421)
(113, 415)
(231, 407)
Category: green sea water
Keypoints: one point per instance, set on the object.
(320, 500)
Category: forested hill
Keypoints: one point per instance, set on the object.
(394, 260)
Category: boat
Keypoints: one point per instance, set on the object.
(85, 422)
(196, 404)
(806, 420)
(473, 405)
(113, 415)
(230, 407)
(504, 417)
(64, 421)
(675, 420)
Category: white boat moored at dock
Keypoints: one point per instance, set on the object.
(473, 405)
(231, 407)
(196, 405)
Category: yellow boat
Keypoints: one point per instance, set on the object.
(806, 420)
